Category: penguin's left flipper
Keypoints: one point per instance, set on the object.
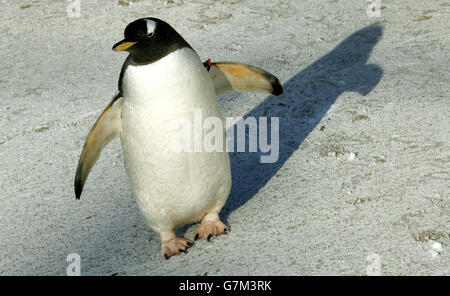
(106, 128)
(229, 76)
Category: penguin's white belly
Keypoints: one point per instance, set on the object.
(172, 188)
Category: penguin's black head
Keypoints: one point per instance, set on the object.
(150, 39)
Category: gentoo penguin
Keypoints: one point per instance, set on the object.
(162, 80)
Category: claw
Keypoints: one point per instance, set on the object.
(174, 246)
(210, 227)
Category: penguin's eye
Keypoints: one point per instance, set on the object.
(149, 35)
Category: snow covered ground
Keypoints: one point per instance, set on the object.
(363, 176)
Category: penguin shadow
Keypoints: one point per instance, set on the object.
(306, 99)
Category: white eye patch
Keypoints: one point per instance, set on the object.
(151, 26)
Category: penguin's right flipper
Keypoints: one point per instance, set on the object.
(106, 128)
(229, 76)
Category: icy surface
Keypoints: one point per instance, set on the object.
(364, 144)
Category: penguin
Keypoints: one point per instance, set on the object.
(162, 80)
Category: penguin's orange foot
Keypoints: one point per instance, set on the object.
(211, 226)
(175, 246)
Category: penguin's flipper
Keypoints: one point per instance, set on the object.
(229, 76)
(106, 128)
